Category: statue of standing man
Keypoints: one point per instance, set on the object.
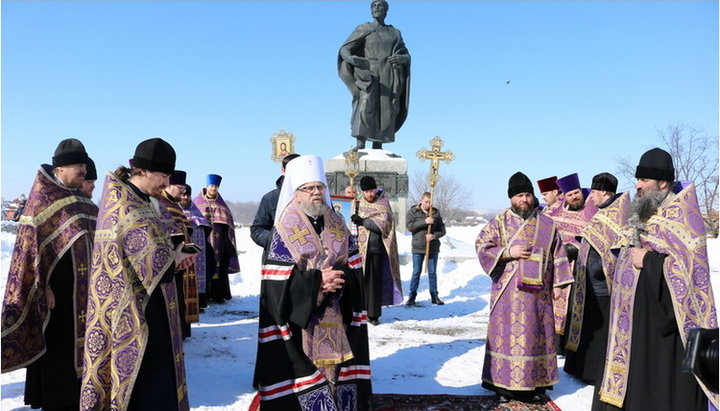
(375, 66)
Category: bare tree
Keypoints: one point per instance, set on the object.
(450, 197)
(695, 157)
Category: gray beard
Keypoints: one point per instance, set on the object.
(524, 214)
(644, 207)
(314, 210)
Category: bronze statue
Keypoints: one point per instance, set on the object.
(375, 66)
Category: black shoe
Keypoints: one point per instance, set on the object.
(503, 399)
(411, 300)
(374, 321)
(437, 300)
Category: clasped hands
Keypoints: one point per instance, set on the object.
(332, 279)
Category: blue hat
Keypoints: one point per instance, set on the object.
(569, 183)
(214, 180)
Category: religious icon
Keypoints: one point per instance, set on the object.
(343, 205)
(282, 145)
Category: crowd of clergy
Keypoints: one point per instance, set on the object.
(100, 298)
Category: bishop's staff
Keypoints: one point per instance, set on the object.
(435, 156)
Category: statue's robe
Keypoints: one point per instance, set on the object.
(52, 249)
(594, 269)
(383, 285)
(653, 309)
(223, 244)
(312, 346)
(201, 229)
(133, 341)
(380, 92)
(520, 346)
(569, 225)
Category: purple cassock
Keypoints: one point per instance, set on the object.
(520, 347)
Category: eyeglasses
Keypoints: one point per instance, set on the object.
(310, 189)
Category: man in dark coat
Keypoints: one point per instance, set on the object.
(263, 223)
(418, 221)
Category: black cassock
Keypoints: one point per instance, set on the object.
(287, 379)
(655, 378)
(51, 381)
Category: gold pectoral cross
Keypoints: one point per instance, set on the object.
(299, 235)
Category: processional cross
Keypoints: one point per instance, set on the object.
(435, 156)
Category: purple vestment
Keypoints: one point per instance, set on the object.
(56, 220)
(131, 253)
(520, 348)
(677, 230)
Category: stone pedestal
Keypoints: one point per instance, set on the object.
(389, 171)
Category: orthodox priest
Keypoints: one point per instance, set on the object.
(571, 216)
(88, 185)
(594, 269)
(661, 290)
(43, 318)
(522, 252)
(133, 341)
(185, 280)
(222, 240)
(312, 340)
(376, 239)
(550, 193)
(374, 64)
(201, 230)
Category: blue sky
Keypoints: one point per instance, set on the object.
(589, 81)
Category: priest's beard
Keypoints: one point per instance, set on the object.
(524, 213)
(313, 209)
(645, 205)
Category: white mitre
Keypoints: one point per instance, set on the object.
(300, 170)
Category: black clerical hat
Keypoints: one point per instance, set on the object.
(70, 151)
(178, 177)
(91, 173)
(155, 154)
(604, 182)
(367, 183)
(188, 189)
(656, 164)
(519, 183)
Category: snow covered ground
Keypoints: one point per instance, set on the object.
(423, 350)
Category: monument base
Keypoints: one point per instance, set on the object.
(387, 168)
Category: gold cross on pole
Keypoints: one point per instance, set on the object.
(299, 235)
(435, 156)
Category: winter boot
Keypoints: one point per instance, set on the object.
(436, 300)
(411, 299)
